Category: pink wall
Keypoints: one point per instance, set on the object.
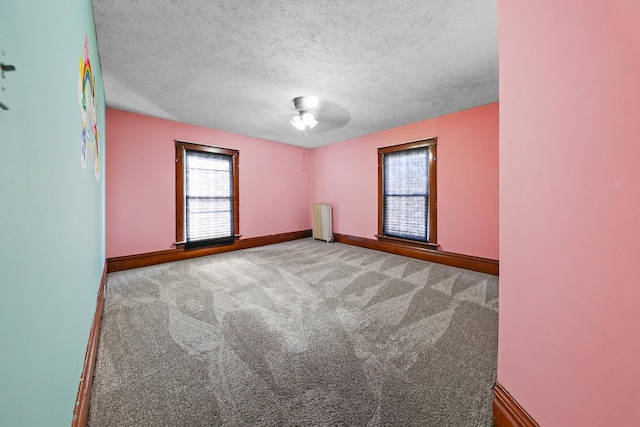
(140, 174)
(346, 175)
(569, 343)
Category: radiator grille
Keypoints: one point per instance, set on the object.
(322, 222)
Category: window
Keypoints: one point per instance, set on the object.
(206, 194)
(407, 193)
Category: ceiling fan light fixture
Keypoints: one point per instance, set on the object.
(305, 117)
(309, 119)
(296, 121)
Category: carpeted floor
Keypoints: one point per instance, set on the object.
(302, 333)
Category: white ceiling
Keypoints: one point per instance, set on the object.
(236, 65)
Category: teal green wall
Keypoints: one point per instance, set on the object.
(52, 228)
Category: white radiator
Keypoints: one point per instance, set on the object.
(322, 222)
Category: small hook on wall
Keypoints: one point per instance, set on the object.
(4, 68)
(7, 67)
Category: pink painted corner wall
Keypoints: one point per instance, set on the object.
(346, 175)
(140, 182)
(569, 342)
(468, 219)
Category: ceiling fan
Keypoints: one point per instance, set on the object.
(309, 111)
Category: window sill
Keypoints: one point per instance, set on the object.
(407, 242)
(183, 245)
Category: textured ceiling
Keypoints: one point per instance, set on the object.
(236, 65)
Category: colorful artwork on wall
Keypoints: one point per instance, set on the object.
(90, 153)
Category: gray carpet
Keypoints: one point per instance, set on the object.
(301, 333)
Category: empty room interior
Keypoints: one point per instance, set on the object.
(319, 213)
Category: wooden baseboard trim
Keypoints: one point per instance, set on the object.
(507, 412)
(81, 412)
(170, 255)
(482, 265)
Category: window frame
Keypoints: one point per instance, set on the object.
(431, 143)
(181, 148)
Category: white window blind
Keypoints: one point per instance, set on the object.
(406, 194)
(209, 193)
